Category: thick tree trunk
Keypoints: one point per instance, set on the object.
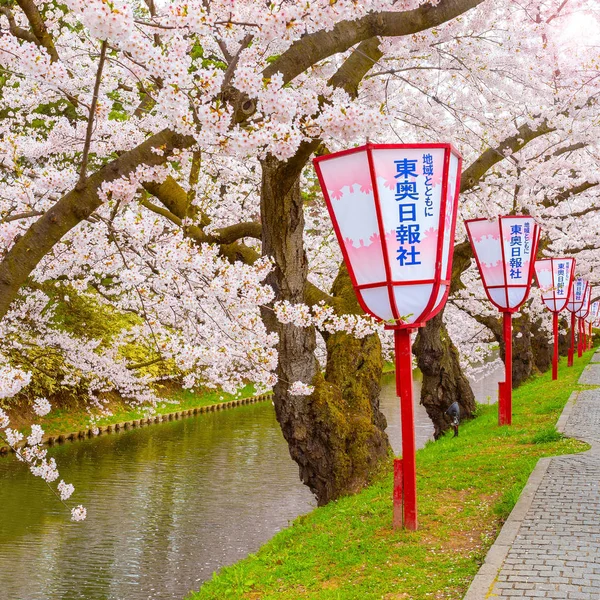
(523, 354)
(564, 339)
(523, 357)
(336, 435)
(443, 379)
(532, 346)
(351, 389)
(532, 352)
(541, 346)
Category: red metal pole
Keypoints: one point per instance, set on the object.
(590, 344)
(398, 495)
(404, 389)
(572, 346)
(555, 357)
(579, 338)
(505, 399)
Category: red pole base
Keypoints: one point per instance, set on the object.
(555, 354)
(572, 346)
(501, 403)
(507, 383)
(398, 495)
(505, 387)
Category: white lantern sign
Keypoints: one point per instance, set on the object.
(393, 209)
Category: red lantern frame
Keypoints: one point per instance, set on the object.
(594, 320)
(582, 315)
(404, 495)
(434, 306)
(555, 300)
(573, 307)
(505, 387)
(594, 312)
(535, 240)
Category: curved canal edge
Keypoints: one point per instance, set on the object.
(89, 432)
(83, 434)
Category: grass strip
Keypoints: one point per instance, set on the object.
(64, 420)
(467, 486)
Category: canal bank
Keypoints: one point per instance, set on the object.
(75, 423)
(61, 430)
(167, 505)
(467, 487)
(72, 424)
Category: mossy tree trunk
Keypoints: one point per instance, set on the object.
(335, 435)
(523, 364)
(542, 344)
(564, 334)
(350, 393)
(443, 379)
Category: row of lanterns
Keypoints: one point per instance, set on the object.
(505, 254)
(393, 209)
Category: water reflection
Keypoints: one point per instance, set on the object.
(390, 407)
(485, 382)
(167, 505)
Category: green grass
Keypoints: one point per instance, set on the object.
(467, 486)
(66, 420)
(545, 436)
(389, 367)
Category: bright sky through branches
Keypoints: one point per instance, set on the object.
(580, 29)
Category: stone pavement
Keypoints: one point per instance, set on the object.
(550, 545)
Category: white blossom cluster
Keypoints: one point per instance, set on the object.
(323, 317)
(32, 452)
(225, 76)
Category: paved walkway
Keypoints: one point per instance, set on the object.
(550, 545)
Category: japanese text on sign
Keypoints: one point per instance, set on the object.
(408, 232)
(527, 238)
(516, 252)
(562, 278)
(428, 174)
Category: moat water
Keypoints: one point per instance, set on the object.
(167, 504)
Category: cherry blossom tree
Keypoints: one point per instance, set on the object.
(155, 158)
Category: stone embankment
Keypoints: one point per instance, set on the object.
(82, 434)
